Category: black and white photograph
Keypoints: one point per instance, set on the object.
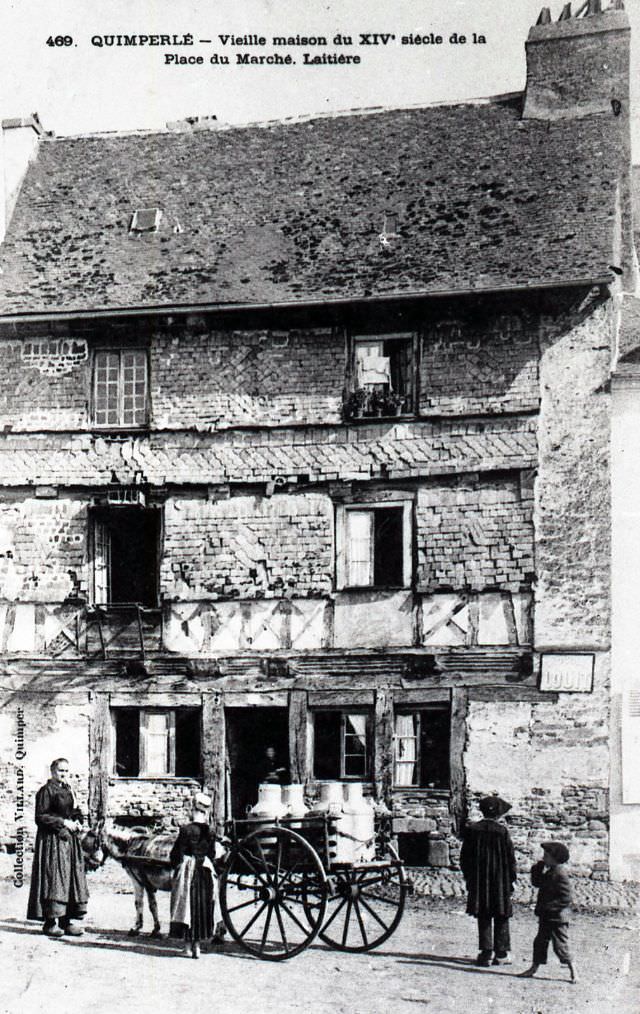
(320, 507)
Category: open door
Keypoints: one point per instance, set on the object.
(258, 750)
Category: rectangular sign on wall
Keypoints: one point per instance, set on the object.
(567, 673)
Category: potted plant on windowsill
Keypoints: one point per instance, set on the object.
(395, 403)
(357, 403)
(378, 403)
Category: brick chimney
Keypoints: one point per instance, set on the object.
(579, 64)
(18, 146)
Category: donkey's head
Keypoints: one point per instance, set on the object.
(92, 843)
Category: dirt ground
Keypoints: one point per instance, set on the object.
(427, 965)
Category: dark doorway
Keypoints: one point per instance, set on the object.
(250, 731)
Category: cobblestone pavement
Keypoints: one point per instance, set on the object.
(427, 965)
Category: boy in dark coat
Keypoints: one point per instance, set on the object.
(552, 908)
(489, 868)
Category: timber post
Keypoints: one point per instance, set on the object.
(99, 751)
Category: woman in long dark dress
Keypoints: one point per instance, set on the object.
(192, 891)
(58, 894)
(488, 864)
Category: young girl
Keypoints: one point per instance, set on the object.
(192, 890)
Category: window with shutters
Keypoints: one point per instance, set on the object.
(156, 742)
(125, 543)
(120, 388)
(374, 545)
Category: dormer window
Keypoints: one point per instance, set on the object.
(145, 220)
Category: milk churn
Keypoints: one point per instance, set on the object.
(293, 798)
(355, 827)
(269, 803)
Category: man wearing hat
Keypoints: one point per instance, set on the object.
(552, 908)
(489, 868)
(192, 890)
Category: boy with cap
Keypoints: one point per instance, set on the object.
(552, 908)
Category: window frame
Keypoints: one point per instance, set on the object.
(344, 712)
(120, 351)
(100, 583)
(144, 713)
(342, 542)
(419, 709)
(412, 340)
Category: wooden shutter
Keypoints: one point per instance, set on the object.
(101, 564)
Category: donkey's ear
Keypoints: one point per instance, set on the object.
(101, 823)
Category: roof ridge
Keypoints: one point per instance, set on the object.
(288, 120)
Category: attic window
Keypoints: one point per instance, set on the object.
(145, 220)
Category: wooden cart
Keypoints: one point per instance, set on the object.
(281, 886)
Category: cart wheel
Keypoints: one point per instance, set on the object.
(273, 893)
(366, 905)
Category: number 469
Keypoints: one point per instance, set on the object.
(60, 40)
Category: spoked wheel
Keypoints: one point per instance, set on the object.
(366, 905)
(273, 893)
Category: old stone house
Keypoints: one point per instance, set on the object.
(304, 442)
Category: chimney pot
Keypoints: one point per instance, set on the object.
(566, 13)
(544, 17)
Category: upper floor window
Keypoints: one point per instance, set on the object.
(342, 744)
(421, 756)
(374, 545)
(120, 388)
(126, 550)
(383, 375)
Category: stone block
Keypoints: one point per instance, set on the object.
(438, 853)
(413, 825)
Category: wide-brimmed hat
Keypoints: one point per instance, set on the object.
(493, 806)
(201, 801)
(557, 850)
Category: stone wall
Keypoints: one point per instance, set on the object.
(480, 364)
(43, 548)
(572, 492)
(551, 761)
(165, 802)
(475, 533)
(248, 547)
(213, 379)
(50, 728)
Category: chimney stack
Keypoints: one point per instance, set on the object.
(579, 64)
(18, 146)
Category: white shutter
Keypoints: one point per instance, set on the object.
(359, 548)
(156, 742)
(631, 746)
(101, 564)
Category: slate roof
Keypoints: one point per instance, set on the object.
(403, 451)
(292, 211)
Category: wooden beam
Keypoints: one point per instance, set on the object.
(214, 755)
(340, 698)
(151, 698)
(426, 695)
(257, 699)
(299, 738)
(457, 743)
(383, 744)
(99, 756)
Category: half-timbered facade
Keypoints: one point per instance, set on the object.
(304, 444)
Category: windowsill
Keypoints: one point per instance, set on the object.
(374, 588)
(379, 418)
(421, 791)
(120, 431)
(174, 779)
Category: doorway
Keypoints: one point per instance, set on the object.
(250, 731)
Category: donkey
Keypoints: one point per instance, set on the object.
(145, 859)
